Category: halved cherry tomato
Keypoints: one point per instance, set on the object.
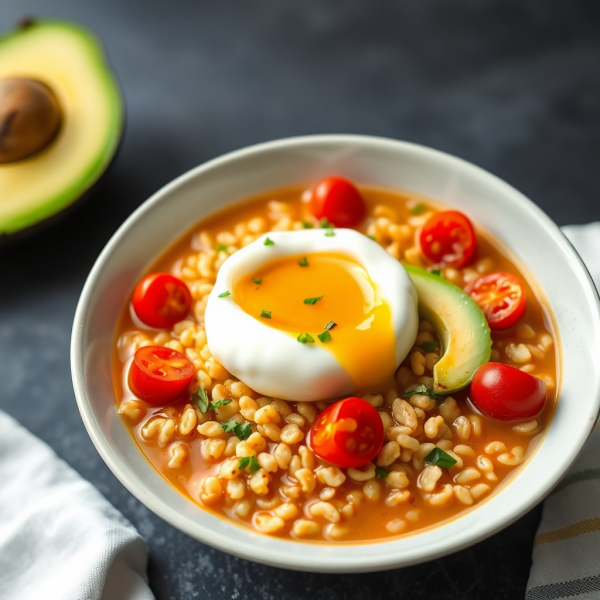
(161, 300)
(338, 201)
(504, 392)
(448, 239)
(500, 296)
(347, 434)
(159, 375)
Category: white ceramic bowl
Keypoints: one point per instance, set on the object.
(498, 207)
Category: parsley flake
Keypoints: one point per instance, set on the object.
(325, 224)
(380, 473)
(440, 458)
(219, 403)
(200, 400)
(307, 225)
(419, 209)
(269, 242)
(330, 233)
(265, 314)
(257, 280)
(242, 430)
(222, 248)
(305, 338)
(430, 346)
(437, 272)
(330, 325)
(372, 237)
(313, 300)
(225, 294)
(303, 262)
(325, 336)
(250, 462)
(420, 389)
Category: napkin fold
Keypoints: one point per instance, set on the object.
(566, 550)
(60, 539)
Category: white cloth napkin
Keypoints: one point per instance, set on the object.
(566, 551)
(59, 537)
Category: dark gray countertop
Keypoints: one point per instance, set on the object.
(511, 85)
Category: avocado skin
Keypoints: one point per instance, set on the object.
(61, 206)
(461, 326)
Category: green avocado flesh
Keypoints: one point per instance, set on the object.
(461, 326)
(70, 61)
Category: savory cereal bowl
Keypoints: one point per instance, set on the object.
(530, 237)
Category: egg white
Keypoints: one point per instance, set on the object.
(272, 362)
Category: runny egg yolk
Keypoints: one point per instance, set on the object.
(362, 340)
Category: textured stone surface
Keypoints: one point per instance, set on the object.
(511, 85)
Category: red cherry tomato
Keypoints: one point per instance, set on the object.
(338, 201)
(501, 297)
(161, 300)
(448, 239)
(347, 434)
(504, 392)
(159, 375)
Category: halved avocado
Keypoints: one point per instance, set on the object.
(461, 326)
(54, 83)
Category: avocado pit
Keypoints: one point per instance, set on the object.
(30, 118)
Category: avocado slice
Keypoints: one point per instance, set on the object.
(461, 326)
(59, 63)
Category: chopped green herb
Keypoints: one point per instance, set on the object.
(440, 458)
(303, 262)
(380, 473)
(269, 242)
(250, 462)
(437, 272)
(200, 399)
(419, 209)
(305, 338)
(330, 233)
(307, 225)
(242, 430)
(420, 389)
(222, 248)
(430, 346)
(224, 294)
(265, 314)
(325, 224)
(219, 403)
(257, 280)
(372, 237)
(313, 300)
(325, 336)
(330, 325)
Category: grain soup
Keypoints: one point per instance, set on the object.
(271, 481)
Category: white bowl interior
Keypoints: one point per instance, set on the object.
(503, 211)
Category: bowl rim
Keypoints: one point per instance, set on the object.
(336, 562)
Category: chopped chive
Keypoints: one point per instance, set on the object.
(244, 462)
(330, 233)
(225, 294)
(222, 248)
(420, 389)
(269, 242)
(430, 346)
(257, 280)
(307, 225)
(303, 262)
(437, 272)
(200, 399)
(265, 314)
(219, 403)
(330, 325)
(313, 300)
(380, 473)
(305, 338)
(440, 458)
(419, 209)
(325, 336)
